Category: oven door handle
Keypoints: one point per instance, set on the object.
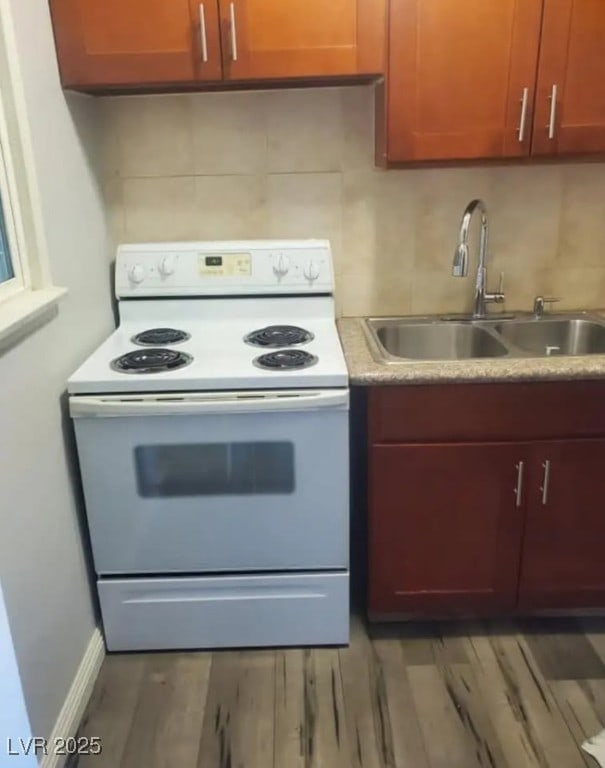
(200, 404)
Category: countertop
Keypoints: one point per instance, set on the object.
(364, 370)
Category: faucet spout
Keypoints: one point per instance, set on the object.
(461, 258)
(460, 265)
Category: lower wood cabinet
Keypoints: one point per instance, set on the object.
(445, 527)
(563, 559)
(491, 526)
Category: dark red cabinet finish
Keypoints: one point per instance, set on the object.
(563, 562)
(445, 527)
(451, 528)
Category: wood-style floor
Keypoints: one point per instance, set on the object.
(514, 695)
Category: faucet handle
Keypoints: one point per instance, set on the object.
(498, 296)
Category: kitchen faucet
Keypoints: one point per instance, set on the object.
(461, 258)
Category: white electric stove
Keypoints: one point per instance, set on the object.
(212, 432)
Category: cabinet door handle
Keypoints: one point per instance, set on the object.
(203, 37)
(519, 488)
(523, 118)
(233, 31)
(553, 112)
(545, 482)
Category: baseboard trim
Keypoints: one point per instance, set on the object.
(73, 708)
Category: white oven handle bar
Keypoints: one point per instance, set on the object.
(199, 404)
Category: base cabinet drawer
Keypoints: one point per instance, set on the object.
(486, 412)
(225, 611)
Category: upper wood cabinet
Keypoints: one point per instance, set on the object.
(267, 39)
(470, 80)
(144, 42)
(570, 97)
(461, 78)
(102, 44)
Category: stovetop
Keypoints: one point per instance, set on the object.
(215, 316)
(218, 348)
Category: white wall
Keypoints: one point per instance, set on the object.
(14, 724)
(42, 565)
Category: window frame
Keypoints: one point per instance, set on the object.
(29, 298)
(12, 218)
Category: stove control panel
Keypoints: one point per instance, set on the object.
(236, 268)
(225, 264)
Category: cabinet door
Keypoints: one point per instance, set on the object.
(302, 38)
(563, 561)
(139, 42)
(570, 98)
(461, 78)
(445, 528)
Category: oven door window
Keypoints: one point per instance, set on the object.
(215, 469)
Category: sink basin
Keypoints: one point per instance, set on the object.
(428, 340)
(565, 336)
(401, 339)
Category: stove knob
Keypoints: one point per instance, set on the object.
(311, 271)
(281, 266)
(136, 274)
(167, 266)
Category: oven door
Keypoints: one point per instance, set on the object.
(215, 482)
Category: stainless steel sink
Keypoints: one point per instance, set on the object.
(435, 340)
(400, 339)
(564, 336)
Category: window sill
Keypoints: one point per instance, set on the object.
(25, 313)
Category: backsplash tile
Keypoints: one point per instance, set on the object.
(229, 207)
(357, 128)
(368, 290)
(299, 163)
(154, 136)
(302, 203)
(304, 130)
(441, 195)
(439, 292)
(378, 216)
(582, 241)
(160, 209)
(229, 135)
(112, 190)
(577, 286)
(526, 216)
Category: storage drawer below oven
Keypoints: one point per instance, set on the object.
(225, 611)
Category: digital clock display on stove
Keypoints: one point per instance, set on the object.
(225, 264)
(214, 261)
